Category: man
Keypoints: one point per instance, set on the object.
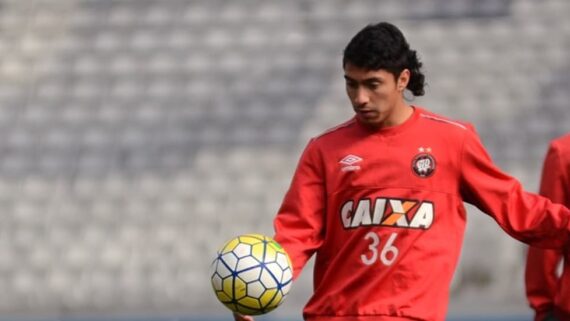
(379, 199)
(547, 292)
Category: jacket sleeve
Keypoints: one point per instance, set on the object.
(299, 222)
(541, 278)
(528, 217)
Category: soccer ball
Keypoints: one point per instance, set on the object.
(251, 274)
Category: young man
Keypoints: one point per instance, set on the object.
(547, 292)
(379, 198)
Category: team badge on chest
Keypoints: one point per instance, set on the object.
(423, 164)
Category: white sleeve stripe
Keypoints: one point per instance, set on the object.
(443, 120)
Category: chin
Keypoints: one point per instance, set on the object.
(375, 123)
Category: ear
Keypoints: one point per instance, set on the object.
(403, 79)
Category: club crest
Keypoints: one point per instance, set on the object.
(423, 164)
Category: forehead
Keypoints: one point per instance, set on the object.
(356, 73)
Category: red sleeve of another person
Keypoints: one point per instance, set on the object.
(541, 267)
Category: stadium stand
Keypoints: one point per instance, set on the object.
(138, 136)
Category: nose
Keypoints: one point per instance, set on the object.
(360, 97)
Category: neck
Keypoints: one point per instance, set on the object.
(398, 116)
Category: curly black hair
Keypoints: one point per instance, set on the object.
(383, 46)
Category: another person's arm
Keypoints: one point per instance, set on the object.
(541, 277)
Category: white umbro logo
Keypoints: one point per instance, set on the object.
(349, 161)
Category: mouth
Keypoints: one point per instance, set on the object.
(366, 113)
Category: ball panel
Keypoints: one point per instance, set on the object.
(223, 297)
(221, 269)
(246, 263)
(267, 297)
(248, 311)
(267, 279)
(270, 254)
(287, 276)
(240, 288)
(255, 289)
(258, 251)
(249, 302)
(229, 260)
(250, 274)
(217, 282)
(229, 246)
(277, 300)
(251, 239)
(231, 306)
(228, 286)
(242, 250)
(276, 246)
(275, 270)
(282, 260)
(286, 287)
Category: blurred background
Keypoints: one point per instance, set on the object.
(137, 136)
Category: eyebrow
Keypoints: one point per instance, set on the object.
(367, 80)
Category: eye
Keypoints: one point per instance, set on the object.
(373, 85)
(351, 84)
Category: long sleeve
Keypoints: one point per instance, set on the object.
(528, 217)
(299, 222)
(541, 278)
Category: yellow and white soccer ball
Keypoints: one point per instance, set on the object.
(251, 274)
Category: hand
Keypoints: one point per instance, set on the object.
(239, 317)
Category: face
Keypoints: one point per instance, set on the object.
(376, 95)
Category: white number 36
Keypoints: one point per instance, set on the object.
(387, 255)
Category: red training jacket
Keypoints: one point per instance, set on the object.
(383, 211)
(547, 292)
